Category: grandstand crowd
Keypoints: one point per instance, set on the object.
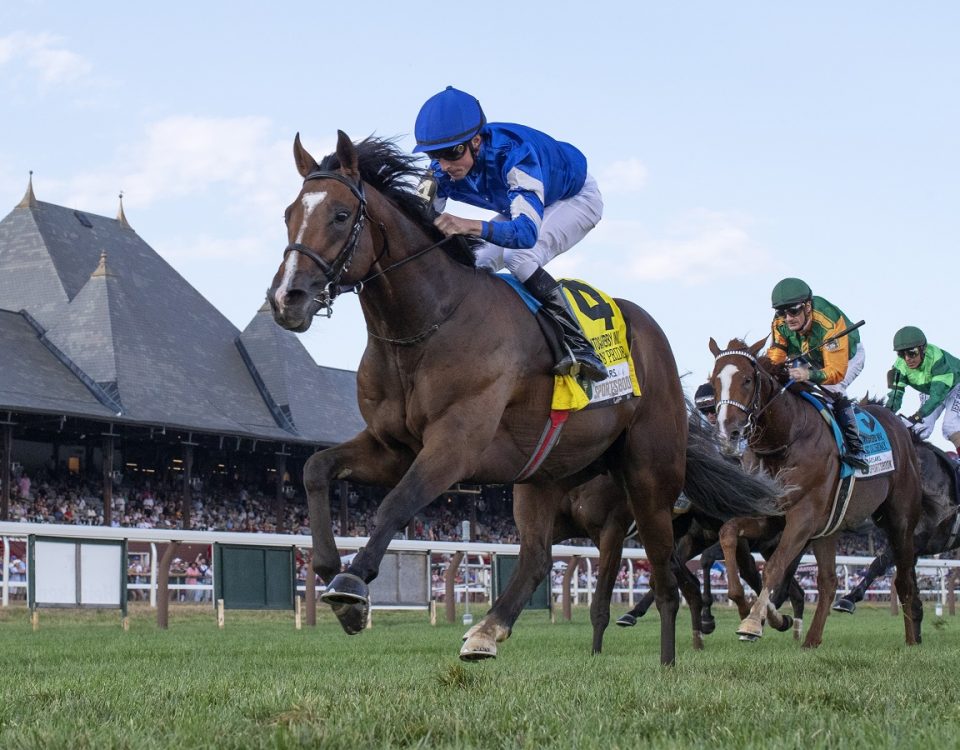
(224, 506)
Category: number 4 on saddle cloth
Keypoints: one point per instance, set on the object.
(604, 327)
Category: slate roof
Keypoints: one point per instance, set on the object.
(151, 342)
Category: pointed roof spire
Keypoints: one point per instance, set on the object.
(29, 200)
(101, 269)
(121, 216)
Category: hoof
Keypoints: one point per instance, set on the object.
(707, 625)
(627, 621)
(471, 631)
(478, 647)
(750, 630)
(844, 605)
(786, 622)
(349, 598)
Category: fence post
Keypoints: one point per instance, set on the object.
(449, 581)
(572, 563)
(952, 593)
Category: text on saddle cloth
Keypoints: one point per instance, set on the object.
(876, 444)
(605, 328)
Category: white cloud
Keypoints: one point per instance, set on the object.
(628, 175)
(45, 55)
(698, 248)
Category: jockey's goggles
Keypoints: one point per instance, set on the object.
(913, 351)
(792, 310)
(453, 153)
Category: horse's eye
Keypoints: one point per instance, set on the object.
(341, 216)
(747, 381)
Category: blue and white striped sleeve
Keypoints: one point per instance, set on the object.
(524, 179)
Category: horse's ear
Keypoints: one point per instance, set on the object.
(755, 349)
(714, 349)
(347, 154)
(305, 163)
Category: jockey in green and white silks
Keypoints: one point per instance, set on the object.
(932, 371)
(545, 202)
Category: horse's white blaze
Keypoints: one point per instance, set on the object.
(310, 202)
(726, 378)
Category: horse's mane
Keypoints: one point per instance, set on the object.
(395, 174)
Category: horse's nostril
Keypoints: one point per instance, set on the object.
(294, 297)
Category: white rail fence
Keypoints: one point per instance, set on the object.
(476, 574)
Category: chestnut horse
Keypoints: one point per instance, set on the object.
(455, 384)
(789, 439)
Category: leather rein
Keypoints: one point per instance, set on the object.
(341, 263)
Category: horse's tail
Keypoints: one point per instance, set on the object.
(723, 489)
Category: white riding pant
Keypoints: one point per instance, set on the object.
(951, 422)
(564, 224)
(854, 368)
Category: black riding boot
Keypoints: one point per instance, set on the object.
(853, 454)
(580, 357)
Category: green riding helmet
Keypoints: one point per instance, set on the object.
(790, 291)
(907, 338)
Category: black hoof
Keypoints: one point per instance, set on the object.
(707, 625)
(349, 598)
(844, 605)
(785, 625)
(627, 621)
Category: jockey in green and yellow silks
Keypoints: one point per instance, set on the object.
(932, 371)
(800, 325)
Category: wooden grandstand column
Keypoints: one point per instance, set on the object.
(108, 478)
(6, 474)
(280, 502)
(344, 507)
(186, 506)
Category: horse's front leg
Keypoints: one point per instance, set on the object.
(362, 460)
(825, 550)
(611, 549)
(730, 534)
(878, 567)
(534, 510)
(440, 463)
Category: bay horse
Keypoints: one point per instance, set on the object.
(599, 510)
(789, 439)
(455, 384)
(937, 531)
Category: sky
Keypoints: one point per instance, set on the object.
(734, 143)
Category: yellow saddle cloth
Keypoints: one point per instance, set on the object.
(604, 326)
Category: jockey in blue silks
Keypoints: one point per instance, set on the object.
(545, 200)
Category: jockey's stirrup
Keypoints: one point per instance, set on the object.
(853, 453)
(580, 359)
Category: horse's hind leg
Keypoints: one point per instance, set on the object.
(652, 488)
(690, 587)
(639, 610)
(534, 510)
(708, 557)
(878, 567)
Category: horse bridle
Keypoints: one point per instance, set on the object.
(755, 409)
(341, 263)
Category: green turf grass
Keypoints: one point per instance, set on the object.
(81, 682)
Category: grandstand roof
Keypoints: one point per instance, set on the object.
(122, 325)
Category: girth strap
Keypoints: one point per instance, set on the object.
(548, 439)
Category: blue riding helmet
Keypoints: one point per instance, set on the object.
(447, 119)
